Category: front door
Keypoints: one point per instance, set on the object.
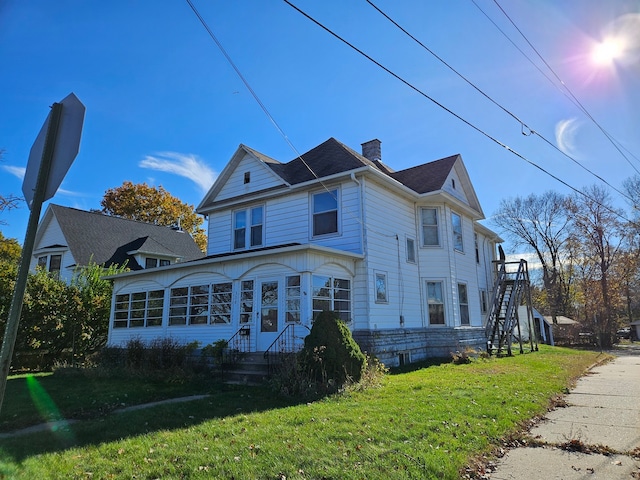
(268, 313)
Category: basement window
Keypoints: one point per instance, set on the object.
(404, 358)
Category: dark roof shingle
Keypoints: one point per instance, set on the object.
(106, 239)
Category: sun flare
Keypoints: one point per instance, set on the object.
(608, 50)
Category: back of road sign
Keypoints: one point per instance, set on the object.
(66, 149)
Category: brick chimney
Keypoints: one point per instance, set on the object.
(371, 150)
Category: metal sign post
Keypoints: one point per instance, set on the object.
(58, 140)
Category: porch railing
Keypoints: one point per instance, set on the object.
(285, 343)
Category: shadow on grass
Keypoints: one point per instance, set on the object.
(412, 367)
(229, 401)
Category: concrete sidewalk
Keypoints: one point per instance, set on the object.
(596, 436)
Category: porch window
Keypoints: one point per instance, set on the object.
(332, 294)
(429, 218)
(139, 309)
(248, 228)
(435, 300)
(292, 313)
(246, 301)
(463, 302)
(199, 305)
(456, 222)
(325, 212)
(221, 303)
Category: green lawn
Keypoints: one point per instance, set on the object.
(426, 423)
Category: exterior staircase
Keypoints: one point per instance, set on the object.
(248, 368)
(502, 325)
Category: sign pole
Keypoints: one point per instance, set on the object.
(11, 330)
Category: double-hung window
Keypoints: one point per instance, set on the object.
(456, 222)
(293, 299)
(248, 228)
(429, 220)
(435, 301)
(325, 212)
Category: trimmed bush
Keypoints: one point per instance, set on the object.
(330, 353)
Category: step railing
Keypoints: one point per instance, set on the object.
(285, 343)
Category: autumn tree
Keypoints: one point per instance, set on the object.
(540, 224)
(599, 239)
(155, 205)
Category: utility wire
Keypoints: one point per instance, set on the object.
(451, 112)
(246, 84)
(525, 128)
(580, 105)
(268, 114)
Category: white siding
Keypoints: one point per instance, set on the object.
(288, 219)
(53, 236)
(389, 220)
(261, 178)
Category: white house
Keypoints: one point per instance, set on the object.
(400, 256)
(68, 238)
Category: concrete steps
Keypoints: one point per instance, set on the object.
(250, 369)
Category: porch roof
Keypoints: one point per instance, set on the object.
(243, 255)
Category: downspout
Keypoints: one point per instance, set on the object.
(363, 246)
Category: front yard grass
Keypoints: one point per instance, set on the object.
(425, 423)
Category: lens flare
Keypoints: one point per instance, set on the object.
(608, 51)
(47, 409)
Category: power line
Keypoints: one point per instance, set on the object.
(578, 103)
(504, 109)
(451, 112)
(268, 114)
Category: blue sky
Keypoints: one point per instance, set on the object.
(164, 106)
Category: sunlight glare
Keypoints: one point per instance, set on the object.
(608, 50)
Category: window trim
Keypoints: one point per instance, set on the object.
(443, 302)
(423, 242)
(455, 232)
(313, 213)
(411, 251)
(248, 228)
(378, 277)
(465, 304)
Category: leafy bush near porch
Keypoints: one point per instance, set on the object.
(163, 357)
(330, 353)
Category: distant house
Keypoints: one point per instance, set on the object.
(399, 255)
(68, 238)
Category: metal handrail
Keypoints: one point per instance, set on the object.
(285, 340)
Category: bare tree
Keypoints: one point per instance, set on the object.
(599, 238)
(541, 224)
(7, 202)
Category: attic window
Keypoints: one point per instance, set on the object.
(453, 183)
(247, 177)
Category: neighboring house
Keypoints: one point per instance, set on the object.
(69, 238)
(399, 255)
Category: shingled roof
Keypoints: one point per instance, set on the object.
(332, 156)
(328, 158)
(107, 240)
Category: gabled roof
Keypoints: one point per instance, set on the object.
(428, 177)
(111, 240)
(328, 158)
(333, 157)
